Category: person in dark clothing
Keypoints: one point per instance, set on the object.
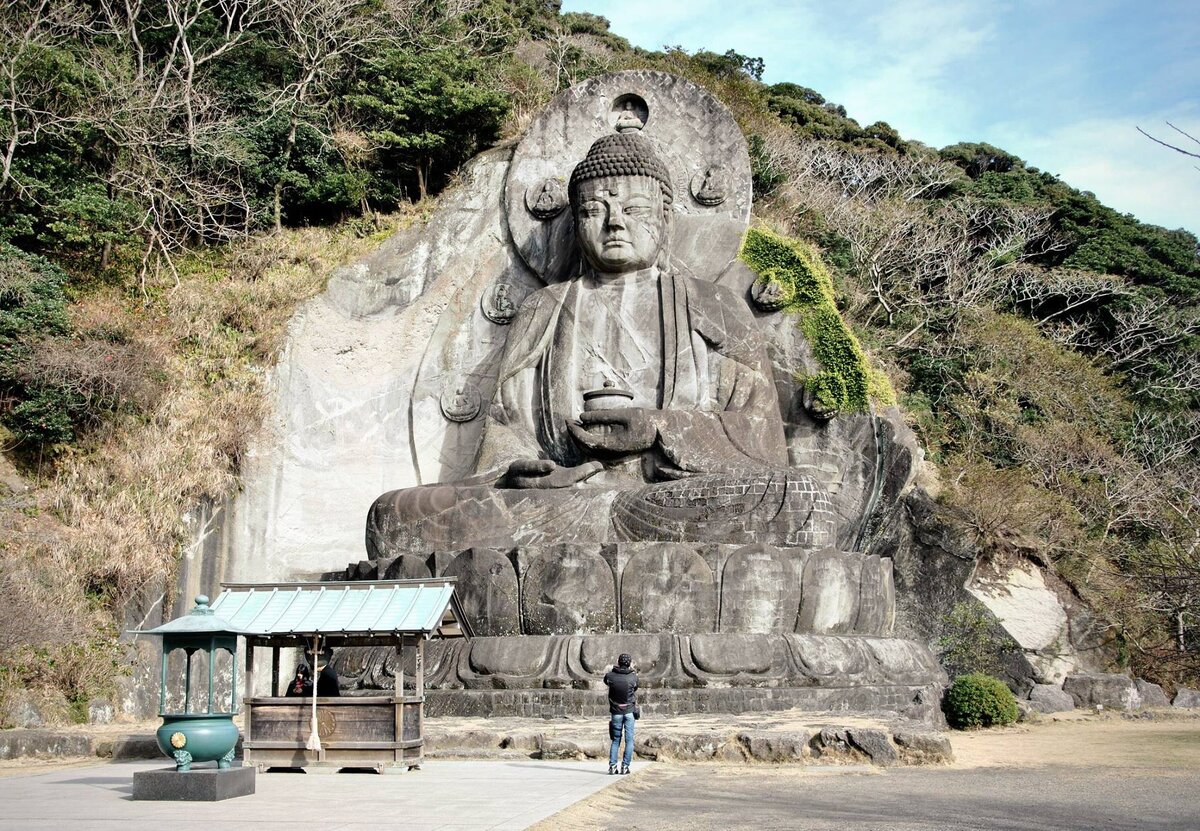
(622, 684)
(301, 685)
(327, 679)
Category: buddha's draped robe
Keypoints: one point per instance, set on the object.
(717, 471)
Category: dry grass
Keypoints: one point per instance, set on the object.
(103, 522)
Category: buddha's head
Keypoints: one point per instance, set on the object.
(621, 200)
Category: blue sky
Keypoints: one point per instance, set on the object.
(1061, 83)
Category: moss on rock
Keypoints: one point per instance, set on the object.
(847, 382)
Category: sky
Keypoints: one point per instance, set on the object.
(1061, 83)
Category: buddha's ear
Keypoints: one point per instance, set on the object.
(664, 249)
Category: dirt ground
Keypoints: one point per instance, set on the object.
(1058, 773)
(1078, 739)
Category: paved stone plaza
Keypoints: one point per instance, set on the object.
(454, 796)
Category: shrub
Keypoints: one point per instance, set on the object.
(971, 640)
(979, 700)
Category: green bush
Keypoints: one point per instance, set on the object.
(971, 640)
(979, 700)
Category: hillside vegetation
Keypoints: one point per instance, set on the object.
(176, 175)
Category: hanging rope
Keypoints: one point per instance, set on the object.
(314, 739)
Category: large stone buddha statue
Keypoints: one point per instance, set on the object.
(634, 402)
(601, 402)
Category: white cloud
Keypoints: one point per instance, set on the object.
(910, 76)
(1125, 170)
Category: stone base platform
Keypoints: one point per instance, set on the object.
(195, 785)
(787, 737)
(918, 704)
(557, 675)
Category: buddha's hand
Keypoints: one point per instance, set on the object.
(543, 473)
(625, 430)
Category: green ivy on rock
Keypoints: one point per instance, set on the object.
(847, 382)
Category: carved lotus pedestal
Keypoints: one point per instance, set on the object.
(712, 628)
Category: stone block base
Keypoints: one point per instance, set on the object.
(196, 785)
(916, 703)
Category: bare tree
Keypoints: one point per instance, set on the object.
(321, 35)
(1192, 153)
(32, 103)
(177, 156)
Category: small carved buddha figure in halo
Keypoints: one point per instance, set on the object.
(689, 447)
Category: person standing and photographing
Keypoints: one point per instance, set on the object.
(623, 711)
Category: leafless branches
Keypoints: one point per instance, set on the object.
(1192, 153)
(917, 255)
(32, 103)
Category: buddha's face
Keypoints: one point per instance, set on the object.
(620, 223)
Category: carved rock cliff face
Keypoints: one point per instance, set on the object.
(346, 422)
(386, 375)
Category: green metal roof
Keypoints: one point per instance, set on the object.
(345, 608)
(201, 620)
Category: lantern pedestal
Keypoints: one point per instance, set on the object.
(196, 785)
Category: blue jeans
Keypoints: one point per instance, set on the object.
(617, 725)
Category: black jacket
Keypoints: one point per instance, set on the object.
(622, 689)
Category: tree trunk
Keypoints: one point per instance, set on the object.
(422, 184)
(288, 146)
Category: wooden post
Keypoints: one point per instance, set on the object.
(420, 691)
(247, 707)
(274, 671)
(421, 670)
(400, 677)
(249, 670)
(399, 680)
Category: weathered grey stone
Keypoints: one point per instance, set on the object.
(196, 785)
(15, 744)
(917, 748)
(568, 591)
(21, 710)
(669, 570)
(130, 746)
(1111, 690)
(408, 567)
(833, 744)
(679, 746)
(775, 746)
(876, 744)
(100, 711)
(759, 592)
(487, 589)
(559, 749)
(1186, 697)
(829, 602)
(1049, 698)
(731, 654)
(1152, 694)
(1033, 614)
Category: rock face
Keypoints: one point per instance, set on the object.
(1034, 615)
(1111, 690)
(1152, 694)
(1185, 697)
(1048, 698)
